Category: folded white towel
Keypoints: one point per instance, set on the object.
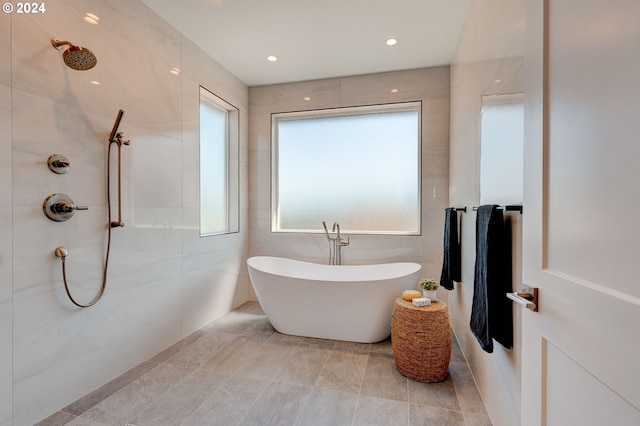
(421, 301)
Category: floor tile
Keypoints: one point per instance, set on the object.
(456, 352)
(382, 380)
(239, 370)
(285, 338)
(86, 402)
(177, 347)
(383, 347)
(360, 348)
(123, 405)
(260, 328)
(303, 366)
(279, 404)
(57, 418)
(328, 407)
(229, 404)
(477, 419)
(266, 364)
(81, 421)
(468, 395)
(381, 412)
(251, 307)
(318, 343)
(199, 352)
(343, 371)
(234, 354)
(423, 415)
(181, 401)
(441, 394)
(234, 322)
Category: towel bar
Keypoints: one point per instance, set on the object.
(510, 207)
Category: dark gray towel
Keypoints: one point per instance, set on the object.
(451, 262)
(491, 311)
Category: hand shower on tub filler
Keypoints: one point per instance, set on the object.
(335, 244)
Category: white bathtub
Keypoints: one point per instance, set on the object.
(352, 303)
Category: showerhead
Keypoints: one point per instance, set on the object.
(76, 57)
(114, 131)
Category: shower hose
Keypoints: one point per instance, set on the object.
(106, 260)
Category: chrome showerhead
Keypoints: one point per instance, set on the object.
(76, 57)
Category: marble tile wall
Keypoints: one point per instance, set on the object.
(5, 223)
(488, 60)
(164, 280)
(431, 86)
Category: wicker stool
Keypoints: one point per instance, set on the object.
(421, 340)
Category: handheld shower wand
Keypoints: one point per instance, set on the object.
(114, 130)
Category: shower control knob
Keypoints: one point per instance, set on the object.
(58, 164)
(60, 207)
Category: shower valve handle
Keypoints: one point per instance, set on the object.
(60, 207)
(58, 163)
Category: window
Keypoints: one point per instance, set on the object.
(356, 166)
(501, 149)
(218, 165)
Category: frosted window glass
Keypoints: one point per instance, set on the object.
(216, 164)
(360, 170)
(501, 157)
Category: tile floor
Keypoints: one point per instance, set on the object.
(238, 370)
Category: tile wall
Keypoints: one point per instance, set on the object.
(164, 280)
(488, 60)
(431, 86)
(5, 221)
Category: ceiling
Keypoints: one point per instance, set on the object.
(316, 39)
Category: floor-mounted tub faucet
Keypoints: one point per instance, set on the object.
(335, 244)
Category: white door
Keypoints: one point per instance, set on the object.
(581, 351)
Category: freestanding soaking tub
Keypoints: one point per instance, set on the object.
(345, 302)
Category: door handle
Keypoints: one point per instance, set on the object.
(528, 298)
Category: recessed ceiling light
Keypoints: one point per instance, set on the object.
(307, 98)
(272, 58)
(497, 81)
(174, 71)
(91, 18)
(394, 90)
(95, 82)
(391, 41)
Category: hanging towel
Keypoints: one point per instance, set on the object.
(451, 262)
(491, 311)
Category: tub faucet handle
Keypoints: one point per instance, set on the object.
(343, 243)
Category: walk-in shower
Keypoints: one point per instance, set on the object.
(60, 207)
(75, 57)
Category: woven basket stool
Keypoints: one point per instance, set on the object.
(421, 340)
